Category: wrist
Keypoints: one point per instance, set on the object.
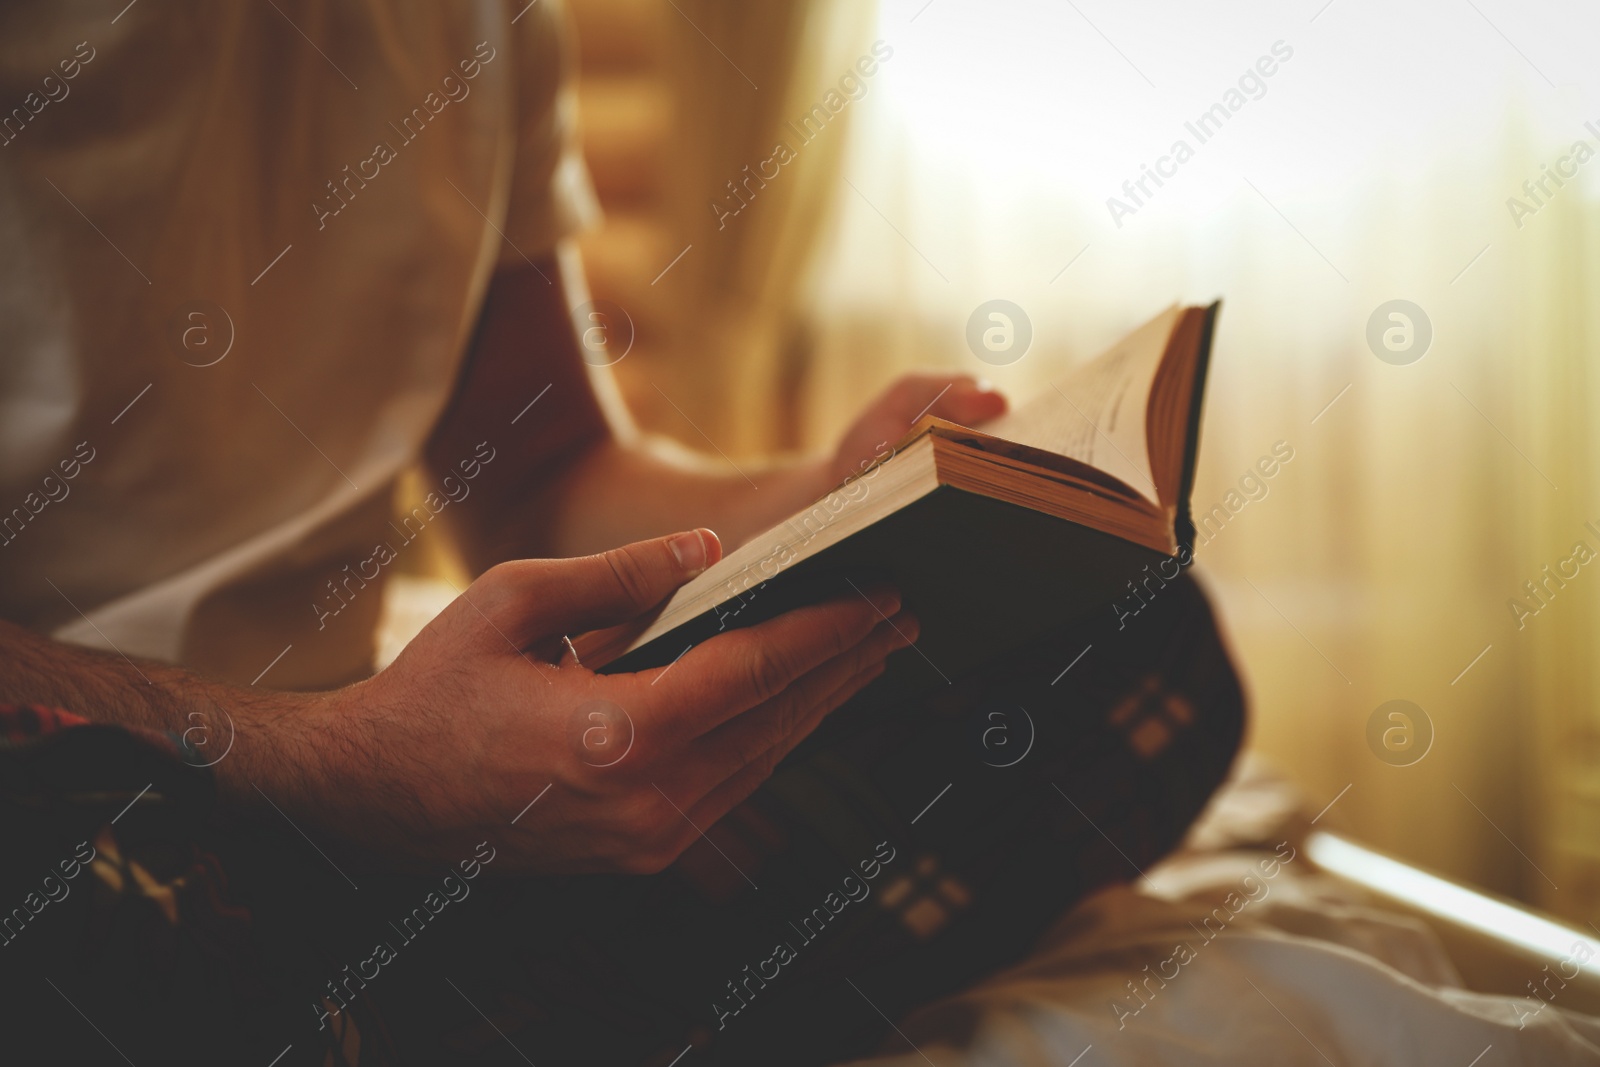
(281, 761)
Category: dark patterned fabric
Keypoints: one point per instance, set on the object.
(121, 935)
(961, 841)
(898, 855)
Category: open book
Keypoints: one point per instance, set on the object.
(992, 536)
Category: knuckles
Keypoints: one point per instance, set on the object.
(847, 630)
(632, 577)
(768, 670)
(653, 834)
(499, 586)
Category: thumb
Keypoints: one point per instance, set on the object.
(544, 599)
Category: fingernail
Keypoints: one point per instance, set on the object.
(689, 549)
(984, 385)
(908, 628)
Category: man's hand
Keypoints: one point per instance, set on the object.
(957, 397)
(482, 714)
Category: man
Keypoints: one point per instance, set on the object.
(261, 259)
(208, 521)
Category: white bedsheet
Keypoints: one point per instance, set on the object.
(1291, 970)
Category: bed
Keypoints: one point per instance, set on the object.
(1266, 940)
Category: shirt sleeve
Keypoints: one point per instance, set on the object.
(551, 196)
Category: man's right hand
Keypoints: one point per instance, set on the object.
(480, 715)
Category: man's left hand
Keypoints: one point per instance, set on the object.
(957, 397)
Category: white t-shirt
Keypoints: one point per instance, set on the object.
(242, 250)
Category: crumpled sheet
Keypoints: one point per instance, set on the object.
(1244, 968)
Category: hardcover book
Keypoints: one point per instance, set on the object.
(992, 535)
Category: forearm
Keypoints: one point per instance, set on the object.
(265, 733)
(577, 477)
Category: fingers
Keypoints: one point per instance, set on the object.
(780, 723)
(733, 672)
(959, 398)
(733, 792)
(535, 599)
(689, 819)
(676, 781)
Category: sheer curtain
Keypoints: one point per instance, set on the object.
(1356, 153)
(742, 212)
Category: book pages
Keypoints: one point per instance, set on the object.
(1095, 412)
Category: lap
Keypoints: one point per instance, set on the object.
(900, 854)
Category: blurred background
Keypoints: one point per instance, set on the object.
(1383, 159)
